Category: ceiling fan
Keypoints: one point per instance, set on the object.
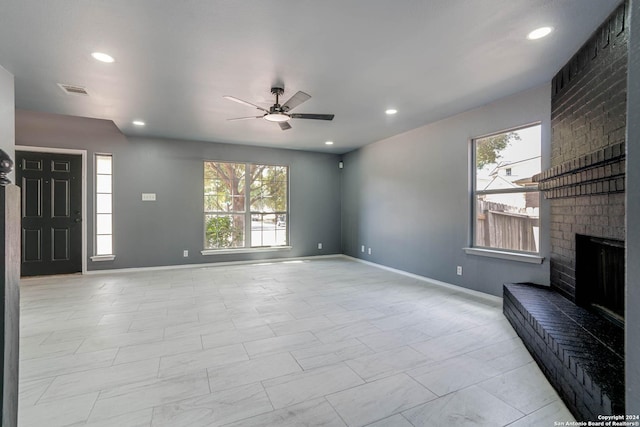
(280, 113)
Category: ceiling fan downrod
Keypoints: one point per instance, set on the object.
(277, 91)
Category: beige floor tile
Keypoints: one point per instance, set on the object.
(524, 388)
(183, 363)
(323, 342)
(60, 412)
(469, 407)
(147, 394)
(93, 380)
(380, 399)
(214, 409)
(298, 387)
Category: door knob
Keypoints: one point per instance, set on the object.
(77, 220)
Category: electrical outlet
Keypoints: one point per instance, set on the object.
(369, 251)
(185, 253)
(319, 245)
(362, 248)
(459, 270)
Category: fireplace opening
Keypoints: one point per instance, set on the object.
(600, 276)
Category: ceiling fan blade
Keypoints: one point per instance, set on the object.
(312, 116)
(245, 118)
(284, 125)
(240, 101)
(296, 100)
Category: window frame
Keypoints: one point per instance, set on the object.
(494, 252)
(247, 213)
(232, 213)
(96, 256)
(250, 212)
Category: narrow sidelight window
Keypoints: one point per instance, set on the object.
(104, 205)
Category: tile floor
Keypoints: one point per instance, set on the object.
(328, 342)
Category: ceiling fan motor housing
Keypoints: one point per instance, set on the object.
(277, 90)
(280, 113)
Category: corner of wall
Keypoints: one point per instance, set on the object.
(632, 321)
(7, 115)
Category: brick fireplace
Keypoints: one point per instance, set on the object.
(575, 329)
(600, 276)
(588, 118)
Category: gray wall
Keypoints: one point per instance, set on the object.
(632, 315)
(155, 233)
(408, 197)
(7, 114)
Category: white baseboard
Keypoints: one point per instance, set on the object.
(209, 264)
(488, 297)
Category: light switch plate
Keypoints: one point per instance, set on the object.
(148, 197)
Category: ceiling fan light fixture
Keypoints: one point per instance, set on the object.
(102, 57)
(539, 33)
(276, 117)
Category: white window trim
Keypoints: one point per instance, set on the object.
(508, 255)
(499, 253)
(251, 249)
(98, 258)
(101, 257)
(245, 250)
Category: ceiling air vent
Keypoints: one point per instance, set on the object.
(73, 90)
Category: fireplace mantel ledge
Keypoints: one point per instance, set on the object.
(511, 256)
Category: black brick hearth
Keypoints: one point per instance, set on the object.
(581, 354)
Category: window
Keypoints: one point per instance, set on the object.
(506, 201)
(268, 205)
(231, 219)
(104, 206)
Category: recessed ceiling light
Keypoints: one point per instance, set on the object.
(102, 57)
(138, 123)
(391, 111)
(329, 143)
(539, 33)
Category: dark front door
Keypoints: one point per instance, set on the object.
(51, 187)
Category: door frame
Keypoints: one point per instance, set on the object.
(76, 152)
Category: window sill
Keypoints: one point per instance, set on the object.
(511, 256)
(244, 250)
(98, 258)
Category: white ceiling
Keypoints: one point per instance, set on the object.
(175, 60)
